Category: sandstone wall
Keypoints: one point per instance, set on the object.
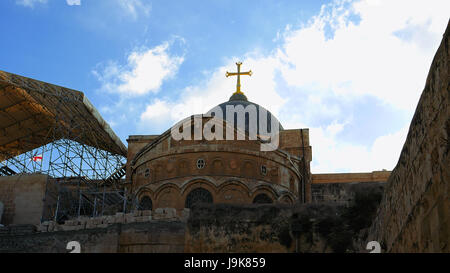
(22, 196)
(342, 193)
(414, 214)
(139, 232)
(276, 228)
(206, 228)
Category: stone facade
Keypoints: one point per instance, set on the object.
(166, 171)
(414, 214)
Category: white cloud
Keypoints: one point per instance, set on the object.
(135, 7)
(330, 154)
(145, 72)
(369, 57)
(73, 2)
(159, 112)
(30, 3)
(386, 55)
(260, 88)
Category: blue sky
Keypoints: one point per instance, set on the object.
(351, 71)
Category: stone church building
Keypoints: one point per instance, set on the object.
(160, 171)
(176, 174)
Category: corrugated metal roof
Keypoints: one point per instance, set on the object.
(35, 113)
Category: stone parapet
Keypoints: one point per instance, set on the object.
(138, 216)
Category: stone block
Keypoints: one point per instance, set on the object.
(146, 213)
(71, 222)
(42, 228)
(143, 218)
(51, 227)
(184, 215)
(129, 218)
(165, 213)
(136, 213)
(170, 213)
(57, 227)
(119, 218)
(68, 228)
(138, 219)
(82, 220)
(110, 220)
(96, 220)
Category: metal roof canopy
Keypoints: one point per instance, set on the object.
(35, 113)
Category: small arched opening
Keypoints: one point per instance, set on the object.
(262, 198)
(198, 195)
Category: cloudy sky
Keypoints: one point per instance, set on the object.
(350, 71)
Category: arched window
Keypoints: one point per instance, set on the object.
(145, 203)
(198, 195)
(262, 198)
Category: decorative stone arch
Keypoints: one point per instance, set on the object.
(197, 195)
(248, 168)
(262, 198)
(182, 167)
(233, 191)
(266, 190)
(140, 194)
(145, 203)
(234, 182)
(217, 166)
(198, 183)
(167, 196)
(286, 198)
(206, 182)
(144, 191)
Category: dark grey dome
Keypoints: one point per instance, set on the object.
(241, 99)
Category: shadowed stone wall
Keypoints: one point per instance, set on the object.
(148, 237)
(414, 214)
(306, 228)
(22, 197)
(206, 228)
(341, 193)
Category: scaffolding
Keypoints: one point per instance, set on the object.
(56, 131)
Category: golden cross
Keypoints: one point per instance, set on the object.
(238, 74)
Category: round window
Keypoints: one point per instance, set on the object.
(200, 163)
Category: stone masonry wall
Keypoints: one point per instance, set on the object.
(414, 214)
(277, 228)
(22, 196)
(254, 228)
(161, 231)
(342, 193)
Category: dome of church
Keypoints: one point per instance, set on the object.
(240, 99)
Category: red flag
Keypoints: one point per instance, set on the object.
(37, 158)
